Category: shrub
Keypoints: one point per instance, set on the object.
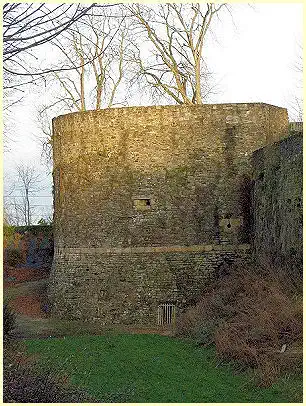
(13, 256)
(200, 322)
(24, 381)
(9, 322)
(8, 235)
(250, 316)
(47, 230)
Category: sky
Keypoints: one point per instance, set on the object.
(252, 52)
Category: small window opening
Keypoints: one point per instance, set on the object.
(166, 314)
(142, 204)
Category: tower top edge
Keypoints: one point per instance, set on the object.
(167, 107)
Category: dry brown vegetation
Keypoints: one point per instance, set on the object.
(24, 378)
(25, 381)
(254, 317)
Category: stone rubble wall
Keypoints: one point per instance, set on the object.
(277, 204)
(127, 287)
(146, 178)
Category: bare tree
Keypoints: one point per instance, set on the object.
(44, 136)
(296, 105)
(176, 33)
(28, 184)
(95, 48)
(13, 212)
(27, 26)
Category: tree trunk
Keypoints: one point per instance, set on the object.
(27, 208)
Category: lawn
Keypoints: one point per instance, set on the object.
(150, 368)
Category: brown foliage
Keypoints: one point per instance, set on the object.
(249, 315)
(25, 381)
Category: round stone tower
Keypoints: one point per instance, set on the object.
(149, 201)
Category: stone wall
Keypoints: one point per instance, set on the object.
(277, 204)
(189, 161)
(148, 178)
(127, 285)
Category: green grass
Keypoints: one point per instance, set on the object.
(150, 368)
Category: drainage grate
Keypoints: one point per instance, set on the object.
(165, 314)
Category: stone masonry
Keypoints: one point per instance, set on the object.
(277, 205)
(150, 202)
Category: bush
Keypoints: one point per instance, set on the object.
(46, 230)
(9, 322)
(251, 317)
(8, 235)
(24, 381)
(199, 323)
(13, 256)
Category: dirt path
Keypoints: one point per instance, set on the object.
(27, 301)
(27, 298)
(29, 327)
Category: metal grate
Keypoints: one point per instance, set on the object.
(165, 314)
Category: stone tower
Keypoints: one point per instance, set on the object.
(149, 201)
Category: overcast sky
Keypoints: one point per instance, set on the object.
(252, 54)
